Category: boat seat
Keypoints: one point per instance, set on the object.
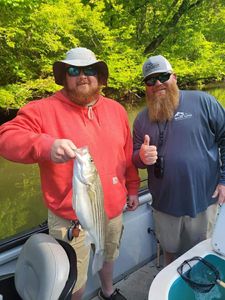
(45, 269)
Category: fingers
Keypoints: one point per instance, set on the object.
(132, 202)
(148, 153)
(215, 194)
(219, 193)
(221, 199)
(62, 150)
(147, 140)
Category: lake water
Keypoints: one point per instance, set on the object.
(20, 193)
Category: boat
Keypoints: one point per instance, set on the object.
(139, 259)
(169, 285)
(138, 248)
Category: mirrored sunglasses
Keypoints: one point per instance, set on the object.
(75, 71)
(163, 77)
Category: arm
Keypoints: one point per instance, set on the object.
(217, 125)
(132, 178)
(144, 154)
(24, 140)
(137, 142)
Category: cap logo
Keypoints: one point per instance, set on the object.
(151, 66)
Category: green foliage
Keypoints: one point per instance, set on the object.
(16, 95)
(6, 98)
(35, 33)
(125, 70)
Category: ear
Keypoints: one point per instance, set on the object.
(174, 76)
(101, 80)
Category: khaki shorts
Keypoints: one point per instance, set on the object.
(178, 234)
(58, 228)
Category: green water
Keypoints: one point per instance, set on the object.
(181, 290)
(20, 198)
(20, 195)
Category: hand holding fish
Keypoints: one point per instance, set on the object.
(132, 202)
(62, 150)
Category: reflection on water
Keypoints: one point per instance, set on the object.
(20, 195)
(20, 198)
(214, 294)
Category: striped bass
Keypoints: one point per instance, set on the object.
(88, 203)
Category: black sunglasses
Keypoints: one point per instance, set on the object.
(163, 77)
(74, 71)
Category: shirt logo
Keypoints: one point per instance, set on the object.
(115, 180)
(182, 115)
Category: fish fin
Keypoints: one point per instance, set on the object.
(98, 261)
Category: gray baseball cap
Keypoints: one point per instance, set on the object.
(156, 64)
(79, 57)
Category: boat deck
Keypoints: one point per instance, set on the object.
(136, 285)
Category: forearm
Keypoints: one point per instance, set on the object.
(23, 139)
(24, 146)
(137, 160)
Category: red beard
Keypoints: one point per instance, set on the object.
(162, 108)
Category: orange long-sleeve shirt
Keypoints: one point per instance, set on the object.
(104, 128)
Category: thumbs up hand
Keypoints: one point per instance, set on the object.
(148, 153)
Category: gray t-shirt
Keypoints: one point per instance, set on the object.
(193, 149)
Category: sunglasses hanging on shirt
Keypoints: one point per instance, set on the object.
(159, 166)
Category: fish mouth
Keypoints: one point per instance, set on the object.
(81, 152)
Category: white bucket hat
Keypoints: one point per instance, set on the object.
(156, 64)
(79, 57)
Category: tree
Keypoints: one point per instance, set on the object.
(35, 33)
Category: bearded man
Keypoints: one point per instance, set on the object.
(180, 138)
(47, 131)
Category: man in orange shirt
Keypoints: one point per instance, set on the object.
(46, 131)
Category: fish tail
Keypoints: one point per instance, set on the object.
(98, 261)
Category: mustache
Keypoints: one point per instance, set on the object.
(82, 81)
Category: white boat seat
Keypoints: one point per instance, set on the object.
(45, 269)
